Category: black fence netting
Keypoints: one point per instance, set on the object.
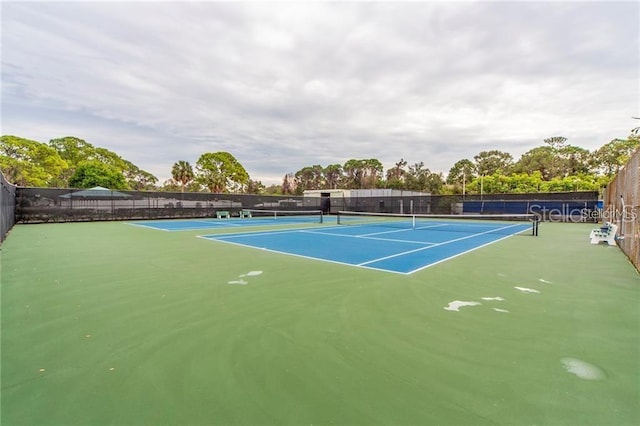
(36, 205)
(573, 206)
(7, 207)
(537, 196)
(68, 205)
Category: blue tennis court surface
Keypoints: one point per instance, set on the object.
(195, 224)
(399, 250)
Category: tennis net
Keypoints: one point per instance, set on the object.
(311, 216)
(507, 224)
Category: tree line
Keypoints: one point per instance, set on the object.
(71, 162)
(555, 165)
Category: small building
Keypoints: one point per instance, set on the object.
(349, 193)
(380, 200)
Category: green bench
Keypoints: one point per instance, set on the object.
(222, 215)
(245, 214)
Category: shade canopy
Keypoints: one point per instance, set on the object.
(96, 193)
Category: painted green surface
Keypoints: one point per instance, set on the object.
(132, 326)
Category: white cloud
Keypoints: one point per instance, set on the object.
(286, 85)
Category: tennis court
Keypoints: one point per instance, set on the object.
(393, 243)
(253, 218)
(105, 323)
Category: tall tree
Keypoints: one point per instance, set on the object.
(170, 185)
(416, 177)
(182, 172)
(435, 183)
(255, 187)
(554, 159)
(420, 178)
(556, 142)
(574, 161)
(94, 173)
(353, 173)
(273, 190)
(221, 172)
(332, 175)
(373, 172)
(493, 161)
(361, 174)
(140, 180)
(609, 158)
(566, 159)
(396, 174)
(30, 163)
(310, 177)
(73, 150)
(76, 151)
(463, 171)
(540, 159)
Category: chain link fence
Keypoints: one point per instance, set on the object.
(622, 207)
(7, 207)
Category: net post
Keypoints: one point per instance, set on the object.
(536, 221)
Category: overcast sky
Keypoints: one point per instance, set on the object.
(286, 85)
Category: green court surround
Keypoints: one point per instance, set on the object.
(109, 324)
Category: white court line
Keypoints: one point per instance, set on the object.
(441, 244)
(304, 256)
(140, 225)
(386, 232)
(366, 237)
(217, 224)
(460, 254)
(186, 228)
(433, 226)
(220, 224)
(248, 234)
(251, 233)
(373, 225)
(364, 265)
(306, 231)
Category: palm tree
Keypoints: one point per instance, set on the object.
(182, 173)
